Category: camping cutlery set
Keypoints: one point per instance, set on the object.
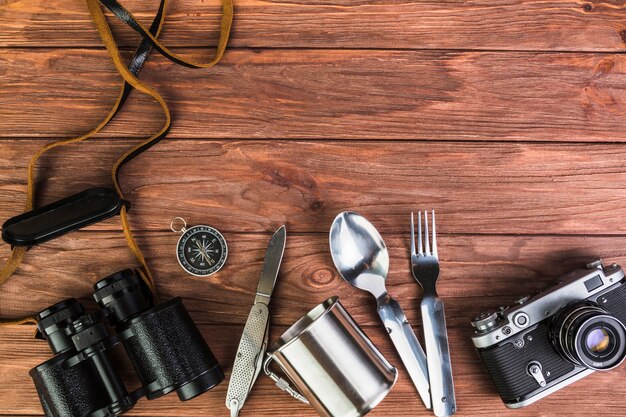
(330, 362)
(362, 259)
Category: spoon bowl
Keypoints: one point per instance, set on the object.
(359, 253)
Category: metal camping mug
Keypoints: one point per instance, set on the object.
(332, 363)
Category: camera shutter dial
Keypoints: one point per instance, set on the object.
(486, 321)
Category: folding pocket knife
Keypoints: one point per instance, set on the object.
(253, 343)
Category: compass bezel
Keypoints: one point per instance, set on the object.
(180, 248)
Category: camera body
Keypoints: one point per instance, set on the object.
(163, 343)
(548, 341)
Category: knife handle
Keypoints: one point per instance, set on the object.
(251, 347)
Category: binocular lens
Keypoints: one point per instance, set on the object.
(124, 294)
(588, 336)
(169, 353)
(53, 322)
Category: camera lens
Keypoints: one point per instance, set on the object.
(589, 336)
(600, 341)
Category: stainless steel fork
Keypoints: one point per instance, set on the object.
(425, 268)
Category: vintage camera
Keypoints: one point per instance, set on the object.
(545, 342)
(164, 345)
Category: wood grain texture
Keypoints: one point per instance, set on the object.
(404, 95)
(479, 272)
(507, 117)
(253, 186)
(19, 353)
(555, 25)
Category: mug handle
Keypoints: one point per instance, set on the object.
(280, 382)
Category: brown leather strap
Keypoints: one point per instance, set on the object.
(104, 31)
(17, 253)
(129, 75)
(124, 15)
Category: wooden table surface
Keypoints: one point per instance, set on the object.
(507, 117)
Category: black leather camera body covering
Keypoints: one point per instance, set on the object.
(520, 346)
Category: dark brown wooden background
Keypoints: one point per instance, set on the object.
(507, 117)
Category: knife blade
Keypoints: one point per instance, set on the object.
(253, 343)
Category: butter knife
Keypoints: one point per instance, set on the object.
(253, 343)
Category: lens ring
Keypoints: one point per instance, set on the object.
(561, 329)
(570, 330)
(608, 359)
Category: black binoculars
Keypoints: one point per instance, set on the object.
(163, 343)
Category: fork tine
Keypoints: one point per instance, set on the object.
(419, 233)
(434, 236)
(426, 237)
(412, 235)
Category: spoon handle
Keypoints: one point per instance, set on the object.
(406, 344)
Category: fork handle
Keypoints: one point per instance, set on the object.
(406, 344)
(438, 356)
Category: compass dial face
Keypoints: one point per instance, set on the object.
(202, 251)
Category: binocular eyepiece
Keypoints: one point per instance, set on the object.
(164, 345)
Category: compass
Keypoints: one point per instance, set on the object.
(201, 250)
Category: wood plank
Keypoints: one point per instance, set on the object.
(514, 214)
(475, 394)
(254, 186)
(479, 272)
(452, 24)
(313, 94)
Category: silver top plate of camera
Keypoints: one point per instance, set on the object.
(496, 326)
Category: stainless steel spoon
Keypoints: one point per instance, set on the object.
(361, 257)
